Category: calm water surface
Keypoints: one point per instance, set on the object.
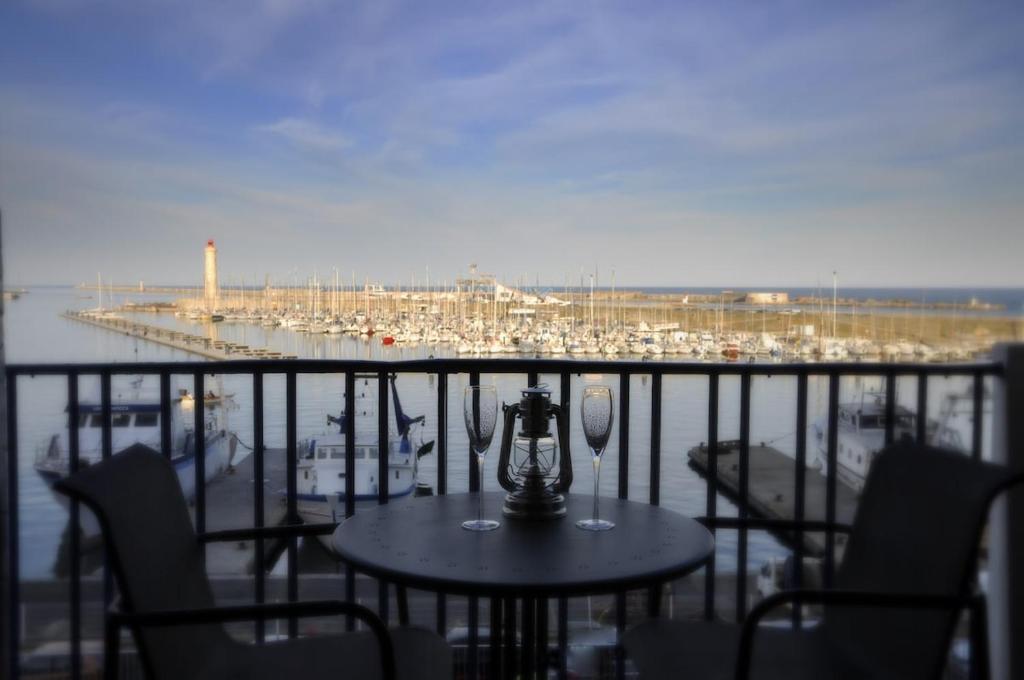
(36, 333)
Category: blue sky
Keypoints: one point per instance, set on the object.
(729, 143)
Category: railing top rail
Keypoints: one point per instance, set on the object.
(486, 365)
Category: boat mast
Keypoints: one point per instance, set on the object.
(835, 331)
(607, 325)
(591, 304)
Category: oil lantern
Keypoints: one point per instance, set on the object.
(531, 468)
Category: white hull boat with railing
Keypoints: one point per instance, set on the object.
(861, 436)
(138, 422)
(321, 469)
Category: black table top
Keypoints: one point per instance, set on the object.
(420, 543)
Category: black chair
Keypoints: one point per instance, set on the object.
(906, 576)
(167, 603)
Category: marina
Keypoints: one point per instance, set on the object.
(681, 334)
(479, 315)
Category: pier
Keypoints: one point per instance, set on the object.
(771, 492)
(217, 350)
(229, 505)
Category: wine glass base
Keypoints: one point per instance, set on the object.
(481, 525)
(595, 524)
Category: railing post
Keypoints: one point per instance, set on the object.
(1006, 537)
(199, 448)
(624, 435)
(832, 462)
(442, 433)
(712, 491)
(383, 443)
(744, 498)
(800, 491)
(258, 497)
(74, 557)
(655, 459)
(475, 483)
(291, 481)
(9, 624)
(165, 414)
(7, 538)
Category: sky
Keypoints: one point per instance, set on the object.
(674, 143)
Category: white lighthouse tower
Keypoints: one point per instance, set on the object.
(210, 279)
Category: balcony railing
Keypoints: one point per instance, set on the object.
(565, 371)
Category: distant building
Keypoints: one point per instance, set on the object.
(765, 298)
(210, 290)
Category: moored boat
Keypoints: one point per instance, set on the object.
(322, 470)
(138, 422)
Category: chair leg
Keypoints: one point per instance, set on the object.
(111, 649)
(979, 640)
(403, 605)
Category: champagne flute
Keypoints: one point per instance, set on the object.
(597, 412)
(480, 408)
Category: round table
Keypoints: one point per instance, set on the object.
(420, 543)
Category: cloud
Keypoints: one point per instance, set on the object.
(306, 134)
(653, 137)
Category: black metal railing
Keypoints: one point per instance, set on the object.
(502, 614)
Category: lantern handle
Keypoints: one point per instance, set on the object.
(511, 412)
(564, 480)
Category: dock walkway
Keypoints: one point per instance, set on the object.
(772, 488)
(218, 350)
(229, 505)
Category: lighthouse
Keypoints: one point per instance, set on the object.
(210, 278)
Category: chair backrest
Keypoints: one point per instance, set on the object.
(154, 553)
(917, 530)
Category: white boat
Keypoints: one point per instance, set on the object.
(955, 426)
(138, 422)
(321, 466)
(861, 435)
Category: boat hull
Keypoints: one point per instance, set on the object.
(218, 455)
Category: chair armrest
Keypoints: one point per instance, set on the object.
(773, 524)
(180, 617)
(842, 598)
(280, 531)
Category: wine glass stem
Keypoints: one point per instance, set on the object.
(480, 496)
(597, 477)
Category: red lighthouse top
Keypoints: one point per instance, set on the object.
(210, 243)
